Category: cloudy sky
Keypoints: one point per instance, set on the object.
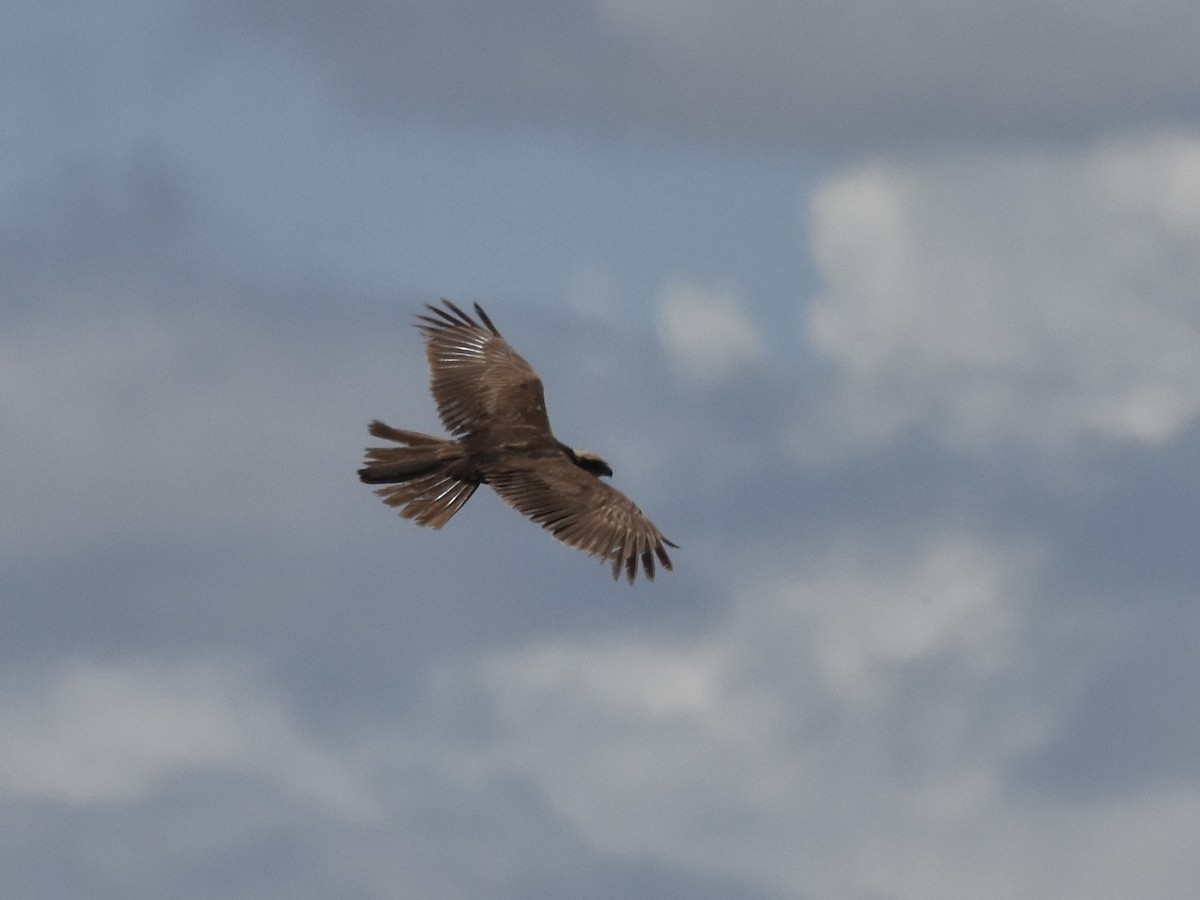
(888, 315)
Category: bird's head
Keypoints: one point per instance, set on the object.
(590, 462)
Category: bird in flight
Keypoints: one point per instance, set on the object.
(490, 399)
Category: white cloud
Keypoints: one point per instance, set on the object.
(1036, 300)
(706, 332)
(848, 732)
(111, 732)
(860, 620)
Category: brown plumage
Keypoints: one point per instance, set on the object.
(491, 401)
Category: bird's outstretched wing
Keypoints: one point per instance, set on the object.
(479, 382)
(581, 511)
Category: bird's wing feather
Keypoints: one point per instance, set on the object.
(581, 511)
(478, 381)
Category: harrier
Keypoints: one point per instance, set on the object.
(491, 401)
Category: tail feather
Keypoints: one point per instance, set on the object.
(411, 438)
(428, 477)
(429, 501)
(388, 465)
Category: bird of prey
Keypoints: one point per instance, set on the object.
(491, 401)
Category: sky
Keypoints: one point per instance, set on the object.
(886, 314)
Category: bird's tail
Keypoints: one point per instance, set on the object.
(428, 477)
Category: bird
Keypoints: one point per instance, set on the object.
(492, 403)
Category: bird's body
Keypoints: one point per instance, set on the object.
(491, 401)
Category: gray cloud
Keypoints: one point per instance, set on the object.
(804, 75)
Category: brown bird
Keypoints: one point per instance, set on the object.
(491, 400)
